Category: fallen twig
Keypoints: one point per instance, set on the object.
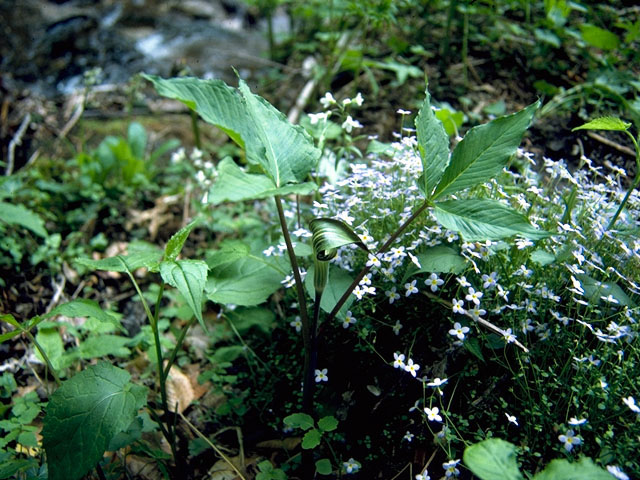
(15, 141)
(612, 144)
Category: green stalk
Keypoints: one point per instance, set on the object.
(382, 249)
(196, 130)
(634, 185)
(176, 349)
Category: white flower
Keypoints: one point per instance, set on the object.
(411, 367)
(508, 336)
(315, 118)
(397, 327)
(359, 100)
(433, 282)
(408, 436)
(631, 403)
(512, 419)
(473, 296)
(432, 414)
(437, 382)
(457, 306)
(351, 466)
(570, 440)
(398, 360)
(373, 261)
(349, 124)
(616, 472)
(459, 331)
(321, 375)
(575, 422)
(392, 294)
(411, 287)
(327, 100)
(297, 324)
(450, 469)
(348, 320)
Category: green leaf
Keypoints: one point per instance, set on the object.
(137, 139)
(102, 346)
(329, 234)
(51, 342)
(441, 259)
(492, 459)
(10, 319)
(245, 319)
(323, 466)
(85, 308)
(248, 280)
(311, 439)
(339, 281)
(482, 219)
(484, 151)
(542, 257)
(451, 120)
(139, 255)
(234, 184)
(176, 242)
(230, 251)
(599, 37)
(594, 290)
(328, 424)
(286, 152)
(22, 216)
(605, 123)
(472, 344)
(433, 144)
(299, 420)
(84, 414)
(189, 277)
(584, 469)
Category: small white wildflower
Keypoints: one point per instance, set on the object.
(433, 414)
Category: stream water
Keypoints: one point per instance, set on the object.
(47, 45)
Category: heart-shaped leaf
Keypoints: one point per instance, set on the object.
(189, 277)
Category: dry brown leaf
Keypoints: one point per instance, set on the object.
(289, 443)
(143, 468)
(179, 390)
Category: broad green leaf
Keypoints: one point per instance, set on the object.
(451, 120)
(542, 257)
(51, 342)
(84, 414)
(176, 242)
(289, 150)
(339, 281)
(433, 144)
(323, 466)
(493, 459)
(85, 308)
(599, 37)
(441, 259)
(127, 437)
(299, 420)
(22, 216)
(228, 354)
(311, 439)
(583, 469)
(234, 184)
(137, 139)
(605, 123)
(248, 280)
(230, 251)
(10, 467)
(102, 346)
(329, 234)
(484, 151)
(594, 290)
(328, 424)
(189, 277)
(139, 255)
(482, 219)
(245, 319)
(286, 152)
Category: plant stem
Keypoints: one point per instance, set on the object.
(196, 130)
(634, 185)
(176, 349)
(382, 249)
(52, 370)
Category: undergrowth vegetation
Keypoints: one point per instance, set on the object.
(317, 301)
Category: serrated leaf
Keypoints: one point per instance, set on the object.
(285, 151)
(605, 123)
(339, 281)
(85, 308)
(328, 423)
(189, 277)
(323, 466)
(584, 469)
(492, 459)
(84, 414)
(247, 280)
(329, 234)
(22, 216)
(482, 219)
(433, 144)
(311, 439)
(234, 185)
(484, 151)
(299, 420)
(440, 259)
(176, 242)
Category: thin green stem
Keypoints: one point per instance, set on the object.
(634, 185)
(382, 249)
(176, 349)
(196, 130)
(33, 340)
